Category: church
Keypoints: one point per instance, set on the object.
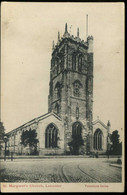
(70, 103)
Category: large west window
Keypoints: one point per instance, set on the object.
(51, 136)
(98, 136)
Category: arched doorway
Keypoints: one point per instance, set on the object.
(77, 130)
(51, 136)
(77, 140)
(98, 136)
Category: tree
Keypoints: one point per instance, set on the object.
(116, 145)
(75, 144)
(29, 138)
(2, 133)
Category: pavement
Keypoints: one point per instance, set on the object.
(115, 165)
(58, 156)
(58, 170)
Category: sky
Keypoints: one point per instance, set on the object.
(28, 30)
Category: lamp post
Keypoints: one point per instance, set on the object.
(108, 149)
(88, 144)
(5, 140)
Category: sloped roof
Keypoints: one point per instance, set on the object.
(35, 120)
(99, 121)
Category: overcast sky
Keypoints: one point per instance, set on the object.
(28, 30)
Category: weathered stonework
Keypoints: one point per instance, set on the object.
(70, 103)
(67, 76)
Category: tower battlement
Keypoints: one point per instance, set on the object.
(90, 37)
(70, 37)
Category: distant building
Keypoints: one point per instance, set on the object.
(70, 103)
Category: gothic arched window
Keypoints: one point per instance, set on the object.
(51, 136)
(74, 62)
(61, 62)
(57, 65)
(52, 63)
(57, 91)
(51, 88)
(98, 139)
(76, 88)
(77, 112)
(80, 63)
(57, 109)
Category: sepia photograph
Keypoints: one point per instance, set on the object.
(62, 97)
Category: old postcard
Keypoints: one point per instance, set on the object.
(62, 97)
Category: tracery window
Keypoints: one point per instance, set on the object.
(61, 62)
(80, 63)
(57, 65)
(57, 91)
(74, 62)
(51, 136)
(98, 139)
(57, 109)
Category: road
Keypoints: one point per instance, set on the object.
(86, 170)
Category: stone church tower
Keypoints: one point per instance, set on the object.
(70, 104)
(71, 86)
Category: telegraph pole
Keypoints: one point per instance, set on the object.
(86, 26)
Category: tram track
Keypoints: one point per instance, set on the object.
(109, 178)
(88, 175)
(99, 176)
(62, 175)
(104, 177)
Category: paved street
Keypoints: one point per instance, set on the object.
(60, 170)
